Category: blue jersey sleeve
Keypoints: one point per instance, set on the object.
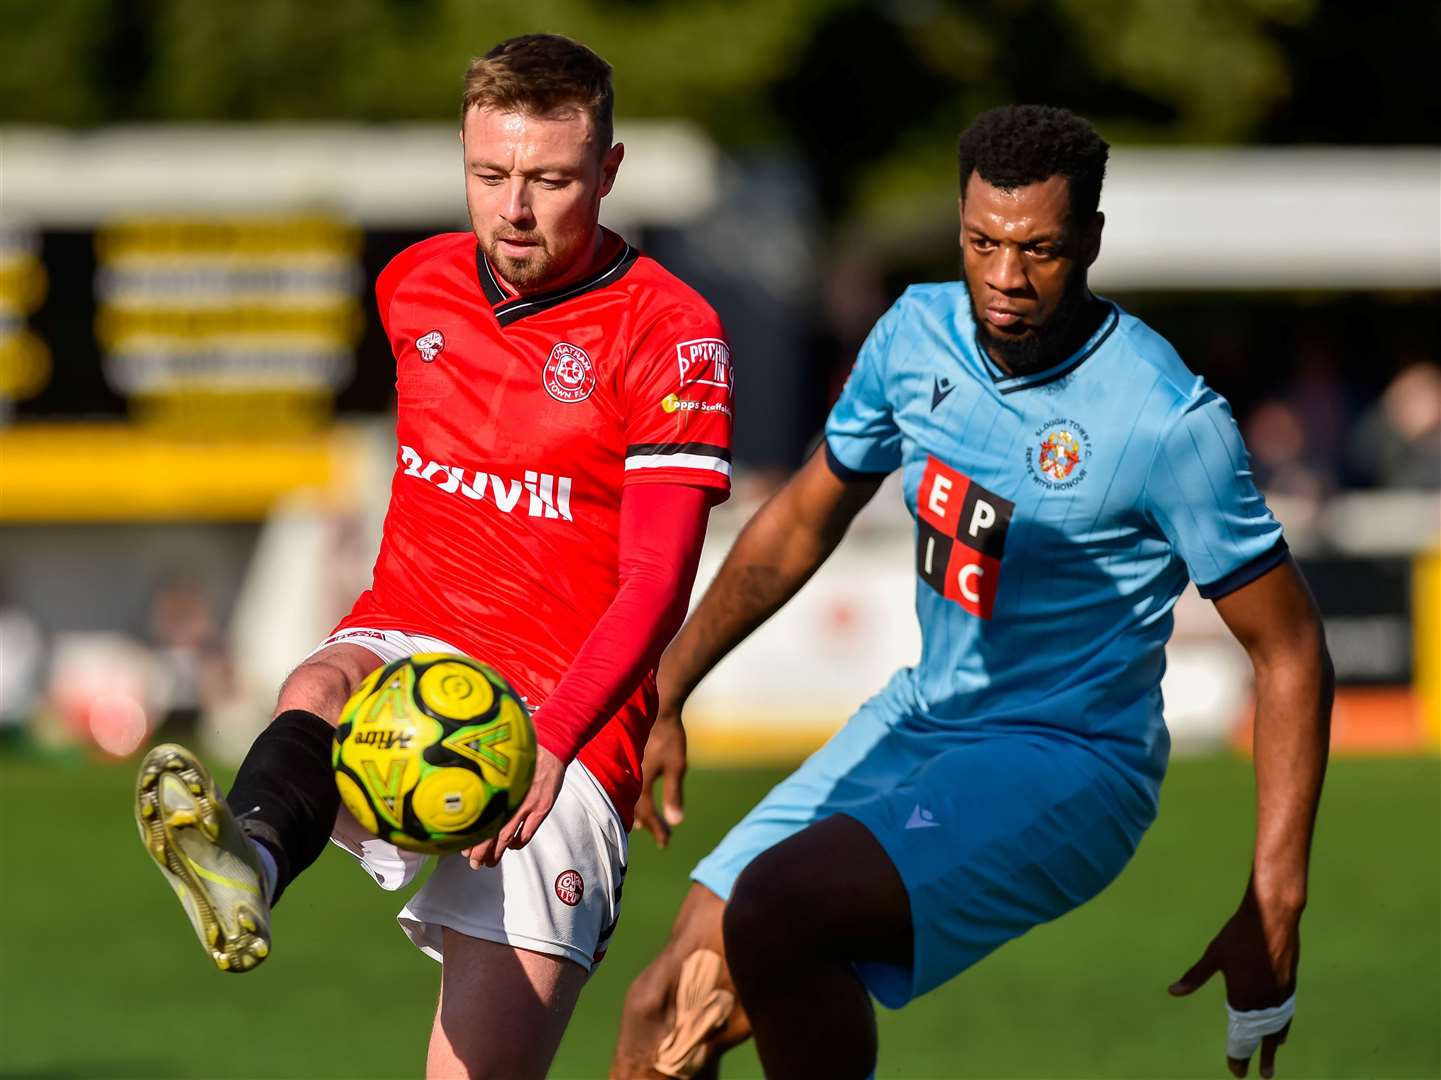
(862, 438)
(1200, 493)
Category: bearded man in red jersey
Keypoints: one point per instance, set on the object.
(564, 419)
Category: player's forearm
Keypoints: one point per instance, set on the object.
(1294, 692)
(662, 529)
(622, 648)
(775, 554)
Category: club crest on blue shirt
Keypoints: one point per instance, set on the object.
(1057, 455)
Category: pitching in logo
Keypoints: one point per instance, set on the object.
(705, 362)
(1058, 456)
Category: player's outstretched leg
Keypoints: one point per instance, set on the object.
(229, 868)
(797, 922)
(681, 1013)
(212, 866)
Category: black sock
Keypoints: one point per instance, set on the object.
(284, 794)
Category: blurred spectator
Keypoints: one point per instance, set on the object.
(22, 662)
(192, 662)
(1397, 443)
(1280, 455)
(855, 298)
(1321, 400)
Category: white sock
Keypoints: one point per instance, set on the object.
(269, 872)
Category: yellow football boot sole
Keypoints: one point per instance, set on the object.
(212, 866)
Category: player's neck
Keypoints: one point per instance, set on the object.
(601, 248)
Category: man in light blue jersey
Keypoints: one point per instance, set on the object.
(1068, 476)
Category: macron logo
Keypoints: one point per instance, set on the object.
(921, 818)
(940, 391)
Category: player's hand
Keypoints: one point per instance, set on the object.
(1256, 952)
(518, 831)
(664, 760)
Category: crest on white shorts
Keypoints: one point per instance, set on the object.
(430, 345)
(570, 887)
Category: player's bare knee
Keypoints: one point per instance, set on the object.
(314, 686)
(323, 683)
(756, 923)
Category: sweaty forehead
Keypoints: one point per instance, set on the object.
(559, 137)
(1016, 212)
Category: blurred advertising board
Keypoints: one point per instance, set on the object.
(1366, 604)
(185, 367)
(209, 326)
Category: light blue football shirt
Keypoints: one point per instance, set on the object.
(1059, 515)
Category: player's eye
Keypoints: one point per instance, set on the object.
(1040, 251)
(981, 243)
(554, 185)
(489, 179)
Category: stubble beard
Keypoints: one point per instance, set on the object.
(521, 273)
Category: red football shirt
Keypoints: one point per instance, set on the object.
(519, 420)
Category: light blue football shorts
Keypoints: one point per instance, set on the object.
(992, 833)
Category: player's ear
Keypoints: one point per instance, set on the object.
(1091, 241)
(609, 166)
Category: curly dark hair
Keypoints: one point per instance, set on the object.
(1017, 145)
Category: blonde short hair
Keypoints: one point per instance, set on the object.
(542, 74)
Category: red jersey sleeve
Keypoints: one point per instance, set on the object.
(678, 391)
(661, 533)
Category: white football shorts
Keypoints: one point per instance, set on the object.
(560, 894)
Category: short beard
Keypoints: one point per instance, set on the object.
(1043, 346)
(522, 273)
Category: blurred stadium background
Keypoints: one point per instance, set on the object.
(195, 454)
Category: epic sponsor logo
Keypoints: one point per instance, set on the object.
(961, 538)
(569, 887)
(549, 495)
(569, 375)
(430, 345)
(705, 362)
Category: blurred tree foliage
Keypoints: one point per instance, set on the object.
(870, 93)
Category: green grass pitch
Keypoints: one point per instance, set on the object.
(100, 977)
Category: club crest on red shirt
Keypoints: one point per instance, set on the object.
(568, 375)
(570, 887)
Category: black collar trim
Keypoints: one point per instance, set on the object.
(510, 309)
(1009, 384)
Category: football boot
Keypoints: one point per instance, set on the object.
(209, 862)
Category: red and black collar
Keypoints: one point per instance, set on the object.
(617, 257)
